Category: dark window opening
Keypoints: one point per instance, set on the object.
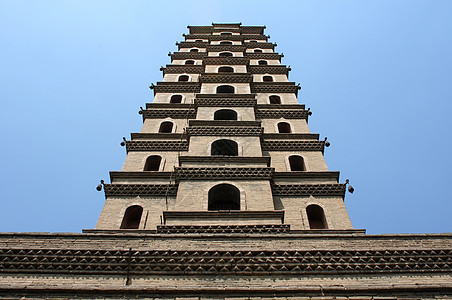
(225, 43)
(152, 163)
(225, 54)
(132, 217)
(257, 51)
(189, 62)
(262, 63)
(284, 127)
(194, 50)
(225, 70)
(225, 114)
(224, 148)
(253, 41)
(224, 197)
(166, 127)
(176, 99)
(316, 217)
(225, 89)
(226, 33)
(183, 78)
(296, 163)
(275, 99)
(198, 40)
(267, 78)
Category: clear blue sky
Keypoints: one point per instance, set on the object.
(376, 74)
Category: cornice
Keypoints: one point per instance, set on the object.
(281, 113)
(297, 145)
(158, 136)
(176, 87)
(168, 105)
(224, 123)
(225, 159)
(308, 175)
(188, 55)
(221, 48)
(264, 55)
(103, 261)
(226, 96)
(178, 69)
(169, 113)
(308, 189)
(274, 87)
(269, 69)
(235, 37)
(218, 60)
(290, 136)
(224, 131)
(218, 102)
(214, 173)
(225, 78)
(157, 145)
(140, 175)
(140, 189)
(223, 229)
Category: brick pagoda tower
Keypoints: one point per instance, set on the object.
(225, 193)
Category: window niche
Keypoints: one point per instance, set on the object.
(224, 197)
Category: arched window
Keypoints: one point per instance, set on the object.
(257, 50)
(225, 54)
(224, 197)
(225, 114)
(296, 163)
(199, 41)
(189, 62)
(194, 50)
(176, 99)
(132, 217)
(225, 70)
(262, 62)
(316, 217)
(166, 127)
(183, 78)
(225, 89)
(274, 99)
(267, 78)
(226, 33)
(284, 127)
(225, 43)
(253, 41)
(225, 148)
(152, 163)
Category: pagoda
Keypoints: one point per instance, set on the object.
(225, 193)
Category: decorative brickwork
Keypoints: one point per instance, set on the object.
(274, 87)
(230, 78)
(157, 146)
(263, 55)
(223, 173)
(224, 229)
(244, 263)
(281, 113)
(224, 102)
(175, 87)
(269, 69)
(216, 60)
(177, 69)
(293, 145)
(140, 189)
(308, 189)
(224, 131)
(188, 55)
(169, 113)
(221, 48)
